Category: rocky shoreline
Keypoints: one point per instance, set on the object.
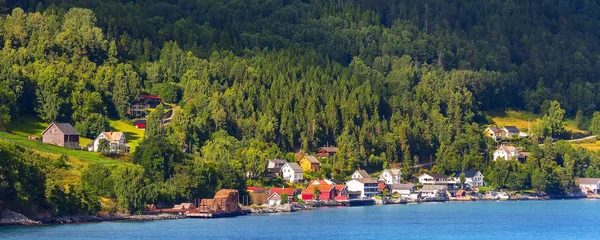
(10, 218)
(257, 209)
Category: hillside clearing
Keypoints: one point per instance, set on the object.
(32, 126)
(89, 157)
(525, 120)
(133, 135)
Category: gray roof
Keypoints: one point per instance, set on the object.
(400, 186)
(512, 129)
(294, 166)
(495, 129)
(65, 128)
(278, 161)
(468, 173)
(363, 173)
(312, 159)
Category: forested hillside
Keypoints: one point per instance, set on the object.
(386, 81)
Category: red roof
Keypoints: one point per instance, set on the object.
(281, 191)
(381, 186)
(322, 188)
(255, 189)
(339, 187)
(149, 97)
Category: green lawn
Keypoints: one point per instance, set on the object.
(487, 188)
(27, 126)
(32, 126)
(90, 157)
(133, 135)
(520, 120)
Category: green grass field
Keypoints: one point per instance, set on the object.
(32, 126)
(520, 120)
(91, 157)
(133, 135)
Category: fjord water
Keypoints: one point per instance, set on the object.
(556, 219)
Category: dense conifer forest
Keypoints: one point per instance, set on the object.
(388, 82)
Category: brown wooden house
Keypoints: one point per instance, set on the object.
(138, 107)
(324, 152)
(61, 134)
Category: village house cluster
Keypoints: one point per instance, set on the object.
(361, 185)
(501, 136)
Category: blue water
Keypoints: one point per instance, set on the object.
(557, 219)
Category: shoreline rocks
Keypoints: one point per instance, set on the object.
(278, 209)
(155, 217)
(79, 219)
(10, 218)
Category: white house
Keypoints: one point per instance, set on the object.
(116, 140)
(435, 178)
(589, 185)
(430, 191)
(403, 189)
(505, 152)
(360, 174)
(390, 176)
(274, 199)
(511, 132)
(473, 178)
(366, 186)
(292, 172)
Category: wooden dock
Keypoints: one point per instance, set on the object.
(361, 202)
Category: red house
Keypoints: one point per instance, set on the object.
(326, 191)
(140, 124)
(341, 192)
(382, 186)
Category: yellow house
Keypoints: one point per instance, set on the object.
(310, 164)
(258, 195)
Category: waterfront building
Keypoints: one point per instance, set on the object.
(589, 186)
(404, 190)
(433, 191)
(275, 195)
(366, 186)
